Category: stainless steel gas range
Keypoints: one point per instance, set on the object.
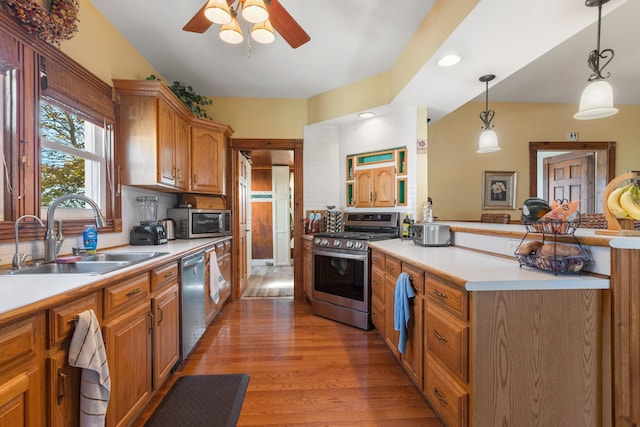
(341, 267)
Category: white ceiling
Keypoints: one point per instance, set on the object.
(537, 50)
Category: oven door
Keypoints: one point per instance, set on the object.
(341, 278)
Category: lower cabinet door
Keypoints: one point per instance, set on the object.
(63, 391)
(166, 334)
(128, 344)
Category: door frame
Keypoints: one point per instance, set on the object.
(295, 145)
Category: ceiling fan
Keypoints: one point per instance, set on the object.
(280, 19)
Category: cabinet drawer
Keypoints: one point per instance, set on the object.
(125, 294)
(448, 296)
(393, 266)
(62, 318)
(417, 277)
(163, 276)
(18, 342)
(377, 259)
(448, 338)
(447, 397)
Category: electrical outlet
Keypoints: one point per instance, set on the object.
(573, 136)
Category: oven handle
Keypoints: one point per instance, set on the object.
(360, 256)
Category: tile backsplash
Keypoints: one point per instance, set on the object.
(105, 240)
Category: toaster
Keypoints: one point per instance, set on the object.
(152, 234)
(431, 234)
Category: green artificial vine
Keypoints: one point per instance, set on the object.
(189, 98)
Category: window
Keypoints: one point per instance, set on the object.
(73, 159)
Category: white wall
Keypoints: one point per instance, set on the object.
(326, 147)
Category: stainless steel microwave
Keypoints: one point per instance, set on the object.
(195, 223)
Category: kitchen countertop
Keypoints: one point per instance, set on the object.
(483, 272)
(625, 243)
(18, 291)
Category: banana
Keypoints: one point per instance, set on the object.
(613, 202)
(630, 202)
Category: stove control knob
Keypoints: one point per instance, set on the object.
(316, 241)
(324, 242)
(337, 243)
(349, 244)
(359, 245)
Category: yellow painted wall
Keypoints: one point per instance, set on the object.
(455, 169)
(261, 117)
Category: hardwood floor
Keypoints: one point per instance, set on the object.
(270, 281)
(305, 370)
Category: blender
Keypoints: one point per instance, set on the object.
(148, 231)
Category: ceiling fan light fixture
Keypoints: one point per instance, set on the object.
(217, 11)
(263, 32)
(254, 11)
(231, 33)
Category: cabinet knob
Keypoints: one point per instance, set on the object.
(440, 397)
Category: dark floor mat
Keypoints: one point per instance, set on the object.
(202, 400)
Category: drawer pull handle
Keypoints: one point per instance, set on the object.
(440, 397)
(169, 274)
(390, 267)
(374, 282)
(439, 337)
(440, 294)
(62, 385)
(133, 292)
(73, 320)
(375, 257)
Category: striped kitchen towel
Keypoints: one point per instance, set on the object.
(87, 351)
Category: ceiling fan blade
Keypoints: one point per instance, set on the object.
(285, 25)
(199, 23)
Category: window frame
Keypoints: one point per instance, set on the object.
(21, 128)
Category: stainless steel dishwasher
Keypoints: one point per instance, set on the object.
(193, 317)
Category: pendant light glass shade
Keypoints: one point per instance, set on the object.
(217, 11)
(231, 32)
(254, 11)
(488, 141)
(263, 32)
(596, 101)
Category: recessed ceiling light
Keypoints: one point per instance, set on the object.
(449, 60)
(366, 115)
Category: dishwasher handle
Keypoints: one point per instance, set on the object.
(188, 263)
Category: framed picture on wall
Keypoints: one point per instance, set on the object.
(498, 190)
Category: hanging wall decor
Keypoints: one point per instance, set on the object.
(52, 26)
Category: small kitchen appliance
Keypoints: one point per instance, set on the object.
(148, 232)
(431, 234)
(170, 228)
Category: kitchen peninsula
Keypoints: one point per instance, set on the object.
(492, 343)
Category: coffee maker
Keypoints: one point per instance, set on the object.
(149, 231)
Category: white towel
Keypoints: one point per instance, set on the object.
(215, 278)
(87, 351)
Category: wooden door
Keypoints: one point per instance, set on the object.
(413, 356)
(166, 137)
(364, 188)
(570, 176)
(391, 336)
(241, 217)
(63, 391)
(384, 186)
(207, 160)
(166, 334)
(181, 153)
(128, 345)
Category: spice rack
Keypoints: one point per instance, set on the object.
(549, 232)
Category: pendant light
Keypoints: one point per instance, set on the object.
(231, 33)
(488, 141)
(596, 101)
(217, 11)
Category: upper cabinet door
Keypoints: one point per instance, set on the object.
(384, 186)
(208, 158)
(181, 153)
(364, 188)
(166, 138)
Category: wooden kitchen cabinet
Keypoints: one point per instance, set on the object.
(392, 270)
(154, 130)
(21, 379)
(222, 251)
(378, 290)
(165, 306)
(208, 157)
(307, 256)
(158, 134)
(375, 187)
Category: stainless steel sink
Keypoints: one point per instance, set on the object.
(129, 257)
(100, 263)
(80, 267)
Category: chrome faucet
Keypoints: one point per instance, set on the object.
(53, 243)
(19, 258)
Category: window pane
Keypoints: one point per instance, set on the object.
(72, 158)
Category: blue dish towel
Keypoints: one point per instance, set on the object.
(401, 313)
